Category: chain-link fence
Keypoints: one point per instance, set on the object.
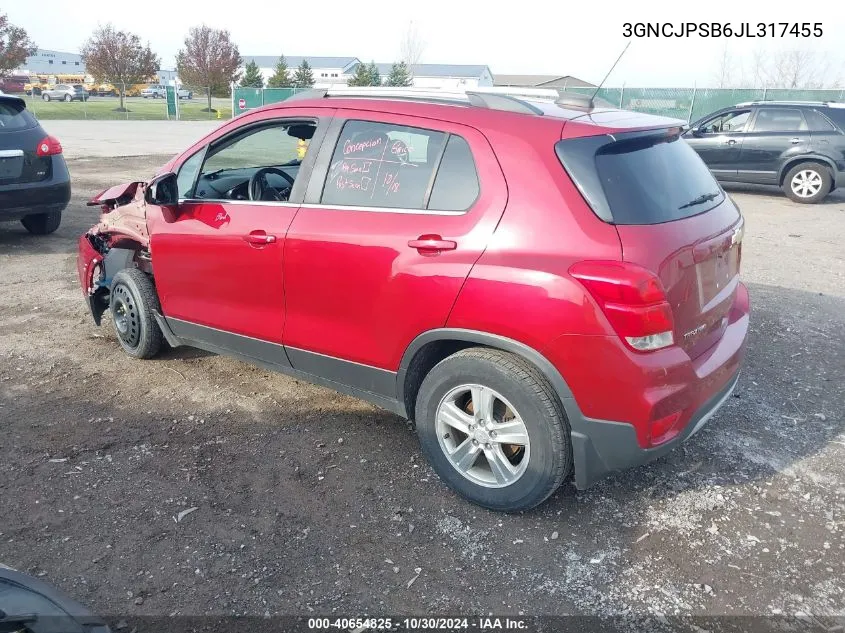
(140, 103)
(691, 104)
(688, 104)
(244, 99)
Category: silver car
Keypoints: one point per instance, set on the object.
(65, 92)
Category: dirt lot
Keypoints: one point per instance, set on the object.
(309, 502)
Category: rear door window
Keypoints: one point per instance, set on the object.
(779, 120)
(382, 165)
(638, 178)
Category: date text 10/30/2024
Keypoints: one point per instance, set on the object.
(419, 624)
(722, 29)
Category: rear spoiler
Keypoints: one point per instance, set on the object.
(117, 195)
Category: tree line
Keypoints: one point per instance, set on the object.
(209, 59)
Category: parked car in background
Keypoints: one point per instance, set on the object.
(798, 146)
(158, 91)
(65, 92)
(494, 287)
(13, 84)
(34, 180)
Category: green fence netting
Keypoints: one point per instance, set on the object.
(691, 104)
(244, 99)
(688, 104)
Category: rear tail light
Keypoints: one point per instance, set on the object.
(49, 146)
(633, 300)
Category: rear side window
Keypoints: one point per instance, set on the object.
(15, 116)
(837, 115)
(400, 167)
(640, 178)
(818, 122)
(456, 183)
(779, 120)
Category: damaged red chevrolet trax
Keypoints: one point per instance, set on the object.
(548, 288)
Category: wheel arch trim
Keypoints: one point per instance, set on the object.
(809, 158)
(488, 340)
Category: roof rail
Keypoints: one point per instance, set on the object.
(778, 102)
(519, 100)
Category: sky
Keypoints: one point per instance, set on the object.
(578, 39)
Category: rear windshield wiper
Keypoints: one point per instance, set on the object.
(705, 197)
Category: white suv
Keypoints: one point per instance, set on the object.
(157, 91)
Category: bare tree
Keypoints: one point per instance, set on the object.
(798, 68)
(210, 60)
(793, 69)
(119, 58)
(15, 46)
(724, 69)
(412, 47)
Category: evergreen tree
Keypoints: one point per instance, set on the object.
(252, 76)
(399, 76)
(361, 76)
(303, 77)
(375, 77)
(281, 77)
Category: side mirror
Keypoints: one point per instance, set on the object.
(163, 191)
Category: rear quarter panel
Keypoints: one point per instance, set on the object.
(520, 288)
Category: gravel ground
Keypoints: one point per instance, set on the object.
(195, 484)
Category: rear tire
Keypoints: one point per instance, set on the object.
(807, 183)
(42, 223)
(133, 301)
(476, 462)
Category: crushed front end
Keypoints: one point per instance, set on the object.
(119, 240)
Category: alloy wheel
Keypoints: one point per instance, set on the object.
(482, 436)
(806, 183)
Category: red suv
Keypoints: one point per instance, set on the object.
(545, 287)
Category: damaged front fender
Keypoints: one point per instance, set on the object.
(119, 240)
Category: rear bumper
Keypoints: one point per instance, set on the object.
(649, 387)
(53, 194)
(601, 447)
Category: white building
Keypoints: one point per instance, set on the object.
(326, 70)
(445, 76)
(330, 71)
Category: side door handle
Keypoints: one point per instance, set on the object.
(259, 238)
(795, 141)
(432, 244)
(730, 141)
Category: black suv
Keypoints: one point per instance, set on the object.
(799, 146)
(34, 180)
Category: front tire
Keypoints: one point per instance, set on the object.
(46, 97)
(42, 223)
(133, 301)
(807, 183)
(68, 98)
(493, 429)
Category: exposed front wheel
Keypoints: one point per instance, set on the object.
(42, 223)
(132, 301)
(493, 430)
(807, 183)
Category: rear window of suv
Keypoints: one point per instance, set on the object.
(15, 116)
(640, 177)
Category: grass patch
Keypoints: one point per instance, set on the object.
(136, 109)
